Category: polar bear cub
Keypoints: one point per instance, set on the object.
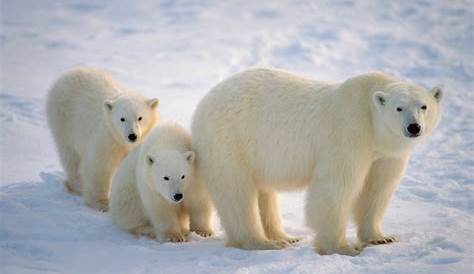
(95, 121)
(154, 191)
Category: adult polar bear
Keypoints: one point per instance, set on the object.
(95, 121)
(263, 131)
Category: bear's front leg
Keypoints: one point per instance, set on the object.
(165, 220)
(383, 179)
(169, 228)
(270, 216)
(329, 202)
(183, 217)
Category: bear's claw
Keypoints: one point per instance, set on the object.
(175, 237)
(146, 231)
(203, 232)
(293, 240)
(262, 245)
(101, 205)
(384, 240)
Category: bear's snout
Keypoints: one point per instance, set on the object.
(132, 137)
(414, 130)
(177, 197)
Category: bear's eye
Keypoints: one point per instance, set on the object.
(150, 160)
(140, 118)
(166, 178)
(122, 119)
(182, 177)
(424, 107)
(399, 109)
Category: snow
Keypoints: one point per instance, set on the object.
(176, 51)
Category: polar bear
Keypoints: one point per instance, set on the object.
(263, 131)
(155, 191)
(95, 121)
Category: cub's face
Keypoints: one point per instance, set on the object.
(408, 111)
(130, 119)
(169, 171)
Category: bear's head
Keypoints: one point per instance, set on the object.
(406, 113)
(130, 118)
(168, 171)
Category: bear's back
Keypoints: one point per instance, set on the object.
(168, 135)
(84, 88)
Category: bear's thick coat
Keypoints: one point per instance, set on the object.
(95, 121)
(155, 191)
(263, 131)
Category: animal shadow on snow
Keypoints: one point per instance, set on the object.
(44, 209)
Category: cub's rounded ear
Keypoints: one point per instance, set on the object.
(150, 160)
(437, 93)
(108, 104)
(380, 98)
(189, 155)
(153, 103)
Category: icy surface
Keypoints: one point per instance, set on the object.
(176, 51)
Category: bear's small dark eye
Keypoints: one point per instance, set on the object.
(166, 178)
(424, 107)
(182, 177)
(150, 160)
(399, 109)
(139, 118)
(122, 119)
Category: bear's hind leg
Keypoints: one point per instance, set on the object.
(235, 197)
(384, 176)
(70, 163)
(270, 216)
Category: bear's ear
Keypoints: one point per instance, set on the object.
(437, 93)
(108, 105)
(153, 103)
(189, 155)
(150, 160)
(379, 98)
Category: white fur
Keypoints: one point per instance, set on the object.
(263, 131)
(146, 182)
(84, 109)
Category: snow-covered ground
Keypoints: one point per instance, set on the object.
(176, 51)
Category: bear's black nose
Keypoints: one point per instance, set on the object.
(177, 197)
(414, 129)
(132, 137)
